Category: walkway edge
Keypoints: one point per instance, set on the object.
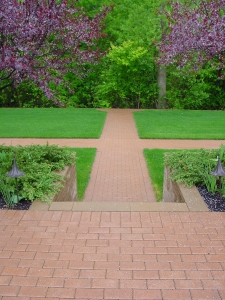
(110, 206)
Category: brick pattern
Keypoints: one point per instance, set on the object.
(119, 172)
(111, 255)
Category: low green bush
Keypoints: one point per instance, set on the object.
(38, 163)
(194, 167)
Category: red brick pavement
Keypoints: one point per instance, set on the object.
(117, 255)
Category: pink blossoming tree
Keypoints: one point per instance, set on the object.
(196, 35)
(42, 40)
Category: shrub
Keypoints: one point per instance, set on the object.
(38, 163)
(194, 167)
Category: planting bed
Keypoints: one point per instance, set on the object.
(22, 205)
(213, 202)
(197, 198)
(68, 191)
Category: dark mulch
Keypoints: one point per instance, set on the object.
(22, 205)
(214, 202)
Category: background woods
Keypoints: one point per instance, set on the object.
(111, 53)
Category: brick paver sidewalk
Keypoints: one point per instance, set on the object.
(117, 255)
(113, 255)
(119, 172)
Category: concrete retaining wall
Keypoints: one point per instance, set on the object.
(67, 194)
(178, 193)
(69, 190)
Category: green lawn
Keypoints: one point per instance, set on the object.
(84, 160)
(180, 124)
(51, 122)
(155, 164)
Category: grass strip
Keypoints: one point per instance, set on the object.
(155, 164)
(180, 124)
(51, 122)
(84, 161)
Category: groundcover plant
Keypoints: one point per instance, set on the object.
(39, 163)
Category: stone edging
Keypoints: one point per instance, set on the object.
(113, 206)
(176, 192)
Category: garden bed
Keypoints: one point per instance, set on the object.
(213, 201)
(201, 168)
(68, 192)
(196, 198)
(48, 174)
(21, 205)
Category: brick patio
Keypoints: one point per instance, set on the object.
(112, 255)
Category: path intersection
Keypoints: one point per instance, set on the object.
(120, 255)
(119, 173)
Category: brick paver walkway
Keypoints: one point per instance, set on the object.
(117, 255)
(119, 172)
(56, 255)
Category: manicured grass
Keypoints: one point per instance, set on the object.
(51, 122)
(155, 164)
(180, 124)
(84, 160)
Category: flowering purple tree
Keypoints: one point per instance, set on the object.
(196, 34)
(42, 40)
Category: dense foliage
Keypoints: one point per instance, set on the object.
(43, 40)
(194, 167)
(125, 80)
(196, 34)
(39, 164)
(127, 76)
(201, 90)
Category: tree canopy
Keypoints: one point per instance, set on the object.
(51, 43)
(196, 34)
(42, 40)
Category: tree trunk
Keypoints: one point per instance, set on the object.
(162, 87)
(138, 101)
(162, 70)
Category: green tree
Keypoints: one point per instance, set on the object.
(201, 90)
(125, 82)
(137, 22)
